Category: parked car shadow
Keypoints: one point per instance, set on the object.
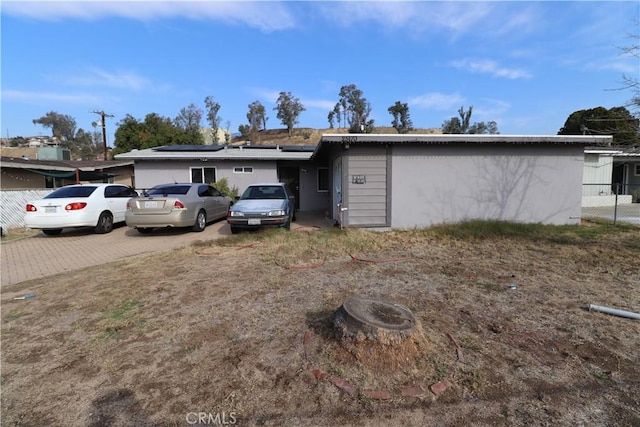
(75, 232)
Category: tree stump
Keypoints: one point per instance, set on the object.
(360, 319)
(380, 334)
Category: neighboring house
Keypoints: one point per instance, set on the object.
(23, 173)
(626, 172)
(398, 181)
(609, 171)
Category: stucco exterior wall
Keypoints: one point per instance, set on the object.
(20, 179)
(312, 200)
(150, 173)
(523, 183)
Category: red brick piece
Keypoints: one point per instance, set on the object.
(412, 391)
(343, 385)
(321, 376)
(377, 394)
(440, 387)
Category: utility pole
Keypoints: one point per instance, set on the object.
(103, 115)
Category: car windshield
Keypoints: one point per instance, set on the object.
(168, 189)
(65, 192)
(264, 192)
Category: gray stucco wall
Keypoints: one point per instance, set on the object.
(312, 200)
(150, 173)
(522, 183)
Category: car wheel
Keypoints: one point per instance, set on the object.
(234, 230)
(144, 230)
(287, 226)
(201, 221)
(52, 231)
(105, 223)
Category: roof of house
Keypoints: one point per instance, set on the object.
(62, 165)
(306, 152)
(346, 140)
(220, 152)
(86, 170)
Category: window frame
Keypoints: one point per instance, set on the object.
(319, 180)
(202, 174)
(243, 169)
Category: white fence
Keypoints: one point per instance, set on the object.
(12, 206)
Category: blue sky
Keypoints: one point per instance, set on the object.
(526, 65)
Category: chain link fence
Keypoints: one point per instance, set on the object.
(612, 202)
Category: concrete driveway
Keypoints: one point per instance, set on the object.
(40, 256)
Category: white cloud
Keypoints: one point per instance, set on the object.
(321, 104)
(487, 66)
(458, 18)
(47, 97)
(120, 80)
(271, 96)
(437, 101)
(490, 109)
(265, 16)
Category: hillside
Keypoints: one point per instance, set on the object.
(310, 136)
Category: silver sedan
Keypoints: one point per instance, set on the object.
(177, 205)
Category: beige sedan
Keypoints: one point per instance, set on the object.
(177, 205)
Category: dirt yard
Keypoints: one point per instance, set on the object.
(239, 331)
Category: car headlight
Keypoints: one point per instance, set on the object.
(279, 212)
(235, 213)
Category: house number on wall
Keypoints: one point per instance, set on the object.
(349, 139)
(358, 179)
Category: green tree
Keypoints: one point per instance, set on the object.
(462, 124)
(616, 121)
(401, 119)
(188, 121)
(257, 118)
(81, 143)
(355, 109)
(336, 114)
(88, 144)
(289, 109)
(212, 117)
(154, 131)
(63, 127)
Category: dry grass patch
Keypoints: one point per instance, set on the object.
(240, 325)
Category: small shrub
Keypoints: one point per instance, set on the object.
(222, 186)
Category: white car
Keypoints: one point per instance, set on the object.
(80, 205)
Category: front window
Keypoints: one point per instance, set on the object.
(323, 179)
(203, 175)
(243, 169)
(52, 182)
